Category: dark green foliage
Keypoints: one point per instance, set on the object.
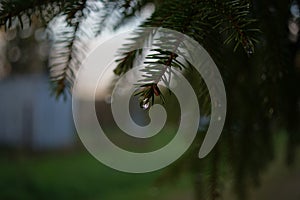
(62, 73)
(46, 10)
(68, 48)
(257, 67)
(230, 19)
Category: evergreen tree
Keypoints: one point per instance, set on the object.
(250, 42)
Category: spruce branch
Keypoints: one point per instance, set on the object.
(116, 13)
(197, 19)
(68, 50)
(232, 18)
(12, 11)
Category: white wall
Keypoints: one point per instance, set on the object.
(30, 117)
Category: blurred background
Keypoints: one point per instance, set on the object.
(257, 157)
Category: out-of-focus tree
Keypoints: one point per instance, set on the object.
(24, 50)
(254, 43)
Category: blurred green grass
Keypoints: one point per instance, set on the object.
(76, 175)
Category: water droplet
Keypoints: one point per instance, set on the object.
(249, 49)
(145, 104)
(249, 52)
